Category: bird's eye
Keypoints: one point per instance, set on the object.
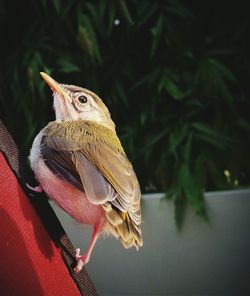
(83, 99)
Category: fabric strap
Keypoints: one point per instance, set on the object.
(46, 214)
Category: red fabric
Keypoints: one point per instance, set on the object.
(30, 263)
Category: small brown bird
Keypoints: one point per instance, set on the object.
(79, 162)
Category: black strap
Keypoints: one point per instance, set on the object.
(47, 216)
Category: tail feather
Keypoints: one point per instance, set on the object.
(123, 227)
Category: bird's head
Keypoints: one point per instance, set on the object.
(76, 103)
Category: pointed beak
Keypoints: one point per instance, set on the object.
(54, 85)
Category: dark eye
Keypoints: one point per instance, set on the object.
(83, 99)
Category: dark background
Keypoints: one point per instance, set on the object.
(174, 74)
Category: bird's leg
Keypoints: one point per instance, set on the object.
(38, 188)
(82, 260)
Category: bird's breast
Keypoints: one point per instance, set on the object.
(68, 197)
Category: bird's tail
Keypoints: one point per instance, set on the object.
(123, 227)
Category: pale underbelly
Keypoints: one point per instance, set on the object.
(70, 199)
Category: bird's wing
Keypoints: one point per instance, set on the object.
(108, 179)
(117, 171)
(60, 163)
(66, 165)
(105, 173)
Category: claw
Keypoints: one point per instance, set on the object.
(81, 261)
(78, 254)
(38, 189)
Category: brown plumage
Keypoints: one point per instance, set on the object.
(79, 161)
(103, 149)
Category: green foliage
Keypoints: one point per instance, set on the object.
(179, 95)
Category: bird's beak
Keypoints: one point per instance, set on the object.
(54, 85)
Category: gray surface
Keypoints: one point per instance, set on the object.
(204, 259)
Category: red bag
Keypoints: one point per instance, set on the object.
(31, 262)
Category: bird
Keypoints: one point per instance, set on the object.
(79, 162)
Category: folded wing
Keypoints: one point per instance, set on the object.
(106, 176)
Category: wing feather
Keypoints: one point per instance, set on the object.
(108, 179)
(113, 165)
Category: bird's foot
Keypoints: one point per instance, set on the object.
(81, 260)
(38, 188)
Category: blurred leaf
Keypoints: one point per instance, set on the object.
(127, 138)
(155, 138)
(156, 32)
(143, 117)
(179, 10)
(176, 138)
(87, 38)
(146, 11)
(121, 92)
(216, 75)
(187, 148)
(125, 11)
(57, 5)
(220, 52)
(111, 19)
(242, 123)
(192, 189)
(225, 72)
(210, 136)
(102, 8)
(147, 79)
(93, 12)
(200, 168)
(67, 66)
(85, 42)
(173, 89)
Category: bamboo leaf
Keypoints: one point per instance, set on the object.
(57, 5)
(156, 32)
(243, 123)
(187, 148)
(93, 12)
(124, 10)
(147, 79)
(146, 12)
(209, 135)
(176, 138)
(121, 92)
(157, 137)
(152, 141)
(87, 38)
(102, 7)
(192, 189)
(173, 89)
(111, 19)
(224, 71)
(85, 41)
(67, 66)
(212, 141)
(200, 168)
(169, 81)
(177, 9)
(205, 129)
